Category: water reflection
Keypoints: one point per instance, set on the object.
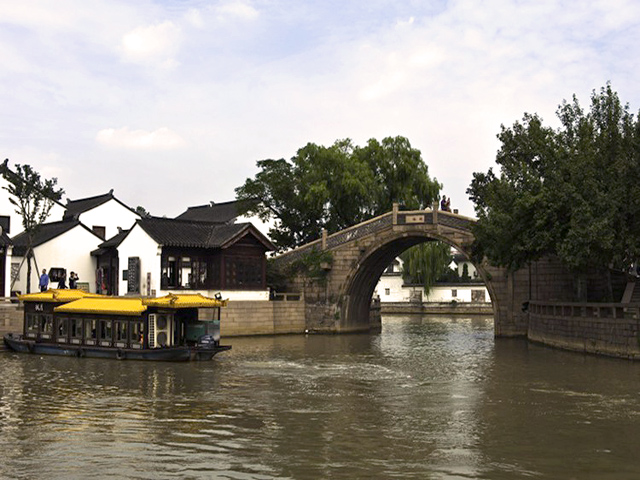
(429, 397)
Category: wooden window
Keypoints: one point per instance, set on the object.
(137, 334)
(90, 331)
(46, 326)
(62, 329)
(105, 333)
(75, 330)
(31, 325)
(241, 272)
(121, 333)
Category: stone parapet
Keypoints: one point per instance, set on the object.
(606, 329)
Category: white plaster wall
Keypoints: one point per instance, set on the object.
(396, 291)
(110, 215)
(139, 244)
(445, 293)
(71, 250)
(231, 295)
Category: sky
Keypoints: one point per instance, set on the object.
(172, 103)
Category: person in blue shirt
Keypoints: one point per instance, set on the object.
(44, 281)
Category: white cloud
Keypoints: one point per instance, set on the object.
(237, 9)
(152, 44)
(160, 139)
(194, 18)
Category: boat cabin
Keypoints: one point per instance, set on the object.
(174, 327)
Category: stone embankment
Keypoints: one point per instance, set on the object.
(611, 329)
(442, 308)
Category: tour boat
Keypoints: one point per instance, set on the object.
(176, 327)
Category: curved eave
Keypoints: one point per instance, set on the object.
(55, 295)
(104, 306)
(184, 300)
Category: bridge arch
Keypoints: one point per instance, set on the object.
(361, 282)
(361, 253)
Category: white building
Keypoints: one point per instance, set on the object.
(391, 287)
(162, 255)
(67, 244)
(57, 245)
(104, 214)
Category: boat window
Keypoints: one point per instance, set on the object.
(90, 331)
(46, 326)
(105, 333)
(75, 330)
(31, 325)
(62, 329)
(121, 333)
(137, 334)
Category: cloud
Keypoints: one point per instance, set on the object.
(238, 10)
(152, 44)
(160, 139)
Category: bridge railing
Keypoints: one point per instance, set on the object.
(395, 217)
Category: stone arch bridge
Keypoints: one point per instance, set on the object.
(342, 301)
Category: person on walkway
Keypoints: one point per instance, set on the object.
(73, 280)
(44, 281)
(62, 281)
(443, 203)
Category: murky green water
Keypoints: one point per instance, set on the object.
(429, 398)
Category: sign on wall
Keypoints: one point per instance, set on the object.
(133, 275)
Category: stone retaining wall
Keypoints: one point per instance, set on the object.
(10, 320)
(262, 318)
(445, 308)
(605, 329)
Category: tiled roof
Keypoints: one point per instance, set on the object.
(181, 233)
(45, 232)
(76, 207)
(113, 242)
(213, 212)
(5, 240)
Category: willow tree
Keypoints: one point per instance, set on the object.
(33, 198)
(425, 263)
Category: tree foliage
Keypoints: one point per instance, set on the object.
(33, 198)
(571, 191)
(425, 263)
(336, 187)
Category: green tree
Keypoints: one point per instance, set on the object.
(33, 198)
(143, 212)
(570, 192)
(335, 187)
(425, 263)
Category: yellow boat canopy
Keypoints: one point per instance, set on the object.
(135, 305)
(104, 305)
(184, 300)
(57, 296)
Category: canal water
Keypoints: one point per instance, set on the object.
(428, 398)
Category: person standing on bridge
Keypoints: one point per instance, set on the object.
(445, 204)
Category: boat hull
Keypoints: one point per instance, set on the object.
(170, 354)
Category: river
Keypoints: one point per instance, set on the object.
(428, 398)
